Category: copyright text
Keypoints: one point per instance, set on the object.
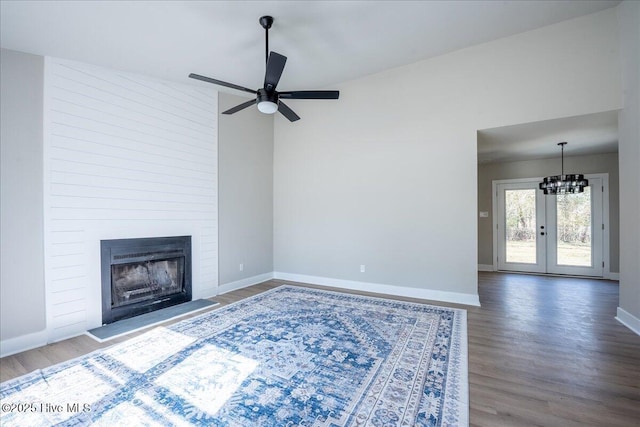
(45, 407)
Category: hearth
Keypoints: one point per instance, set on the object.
(143, 275)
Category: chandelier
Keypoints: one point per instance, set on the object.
(563, 184)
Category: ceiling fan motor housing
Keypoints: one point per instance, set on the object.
(267, 101)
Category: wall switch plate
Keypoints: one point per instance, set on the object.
(241, 267)
(362, 268)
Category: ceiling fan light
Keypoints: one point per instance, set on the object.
(267, 101)
(267, 107)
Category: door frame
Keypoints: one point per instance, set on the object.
(552, 236)
(540, 266)
(606, 271)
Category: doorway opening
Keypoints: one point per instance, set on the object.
(555, 234)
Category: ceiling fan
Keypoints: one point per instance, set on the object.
(267, 97)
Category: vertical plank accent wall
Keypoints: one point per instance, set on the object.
(125, 156)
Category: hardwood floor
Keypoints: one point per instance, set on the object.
(547, 351)
(543, 351)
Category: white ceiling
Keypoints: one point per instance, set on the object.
(326, 42)
(588, 134)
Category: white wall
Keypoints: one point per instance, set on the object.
(22, 306)
(629, 151)
(386, 176)
(125, 156)
(245, 150)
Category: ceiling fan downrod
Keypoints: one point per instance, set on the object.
(266, 22)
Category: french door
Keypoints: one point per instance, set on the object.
(561, 234)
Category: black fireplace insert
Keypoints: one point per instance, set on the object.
(143, 275)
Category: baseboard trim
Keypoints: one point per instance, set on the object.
(38, 339)
(23, 343)
(243, 283)
(613, 276)
(205, 293)
(485, 267)
(628, 320)
(403, 291)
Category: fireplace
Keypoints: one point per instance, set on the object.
(143, 275)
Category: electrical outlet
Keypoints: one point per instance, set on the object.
(362, 268)
(241, 267)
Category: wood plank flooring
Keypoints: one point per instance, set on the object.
(543, 351)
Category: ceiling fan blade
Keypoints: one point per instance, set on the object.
(240, 107)
(287, 112)
(221, 83)
(275, 67)
(310, 94)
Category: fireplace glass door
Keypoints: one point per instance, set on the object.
(140, 281)
(142, 275)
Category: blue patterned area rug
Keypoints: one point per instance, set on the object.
(291, 356)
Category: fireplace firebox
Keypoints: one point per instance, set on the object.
(143, 275)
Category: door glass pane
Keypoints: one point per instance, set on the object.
(520, 227)
(574, 228)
